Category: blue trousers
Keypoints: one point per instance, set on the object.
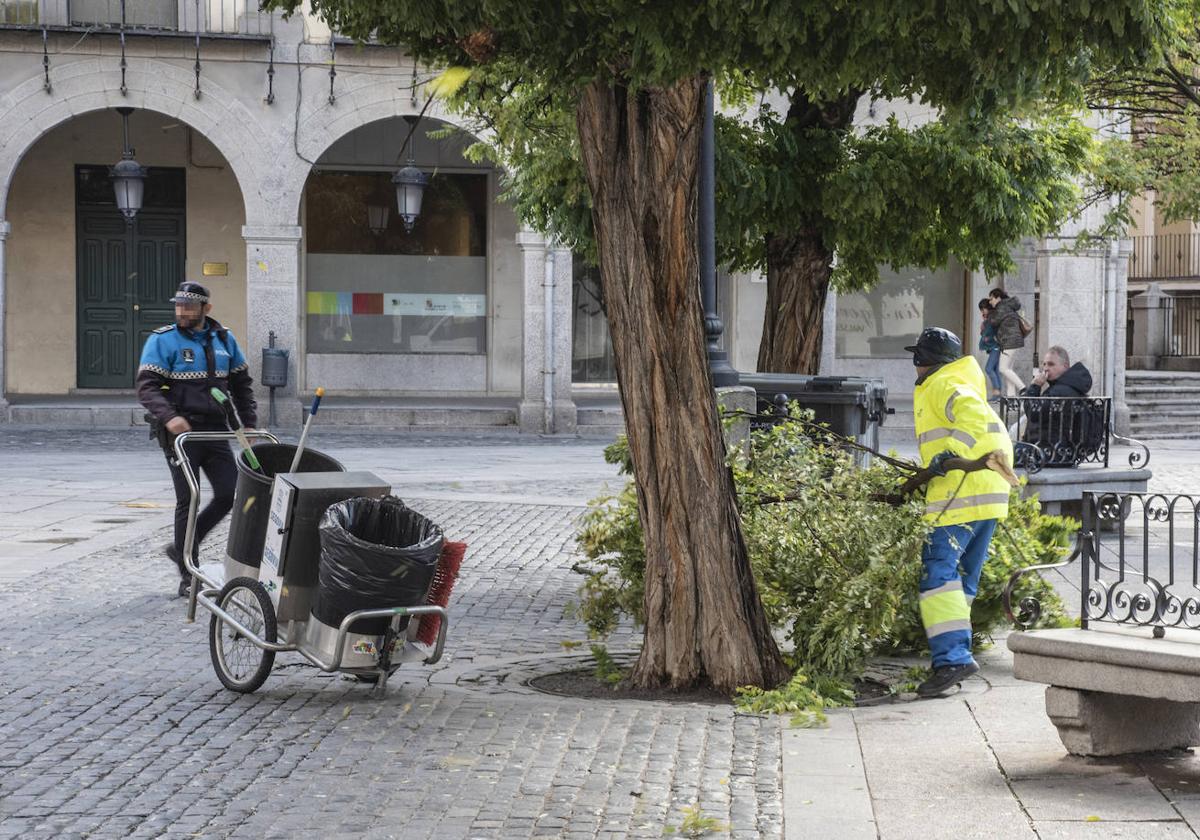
(992, 369)
(952, 560)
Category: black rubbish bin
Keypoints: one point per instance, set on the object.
(375, 553)
(252, 499)
(853, 406)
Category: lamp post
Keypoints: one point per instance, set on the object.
(723, 374)
(128, 176)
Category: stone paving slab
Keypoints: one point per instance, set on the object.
(125, 730)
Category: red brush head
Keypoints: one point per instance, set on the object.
(449, 562)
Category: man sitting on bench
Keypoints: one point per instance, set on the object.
(1061, 429)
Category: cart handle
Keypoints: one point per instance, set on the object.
(189, 475)
(206, 601)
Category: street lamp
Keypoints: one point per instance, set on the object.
(128, 176)
(377, 217)
(410, 189)
(410, 181)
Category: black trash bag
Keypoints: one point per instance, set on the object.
(374, 553)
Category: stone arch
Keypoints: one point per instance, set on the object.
(90, 84)
(330, 123)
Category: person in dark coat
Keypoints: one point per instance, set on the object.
(1064, 426)
(1005, 319)
(989, 345)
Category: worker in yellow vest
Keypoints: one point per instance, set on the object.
(953, 420)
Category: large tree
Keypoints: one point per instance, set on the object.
(634, 74)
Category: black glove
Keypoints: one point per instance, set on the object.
(937, 464)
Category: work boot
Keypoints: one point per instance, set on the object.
(185, 586)
(946, 677)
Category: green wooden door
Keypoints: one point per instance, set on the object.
(126, 274)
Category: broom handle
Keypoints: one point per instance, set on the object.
(316, 403)
(236, 428)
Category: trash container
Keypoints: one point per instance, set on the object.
(375, 553)
(252, 501)
(854, 406)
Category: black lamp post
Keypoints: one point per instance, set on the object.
(723, 374)
(128, 176)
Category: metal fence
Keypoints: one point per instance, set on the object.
(1064, 432)
(1167, 256)
(227, 17)
(1139, 563)
(1181, 325)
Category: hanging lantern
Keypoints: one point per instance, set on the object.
(128, 176)
(377, 218)
(410, 188)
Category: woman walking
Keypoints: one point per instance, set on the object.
(991, 347)
(1005, 318)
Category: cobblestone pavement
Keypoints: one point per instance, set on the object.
(113, 724)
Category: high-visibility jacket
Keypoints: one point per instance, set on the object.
(951, 412)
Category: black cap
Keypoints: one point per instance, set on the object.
(936, 346)
(190, 292)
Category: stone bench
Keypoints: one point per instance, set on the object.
(1116, 690)
(1061, 489)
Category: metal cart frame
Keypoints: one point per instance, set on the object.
(211, 594)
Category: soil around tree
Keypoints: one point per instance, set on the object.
(584, 684)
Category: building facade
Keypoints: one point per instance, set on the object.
(270, 146)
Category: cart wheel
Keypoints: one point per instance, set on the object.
(240, 664)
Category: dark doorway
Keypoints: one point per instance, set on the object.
(125, 274)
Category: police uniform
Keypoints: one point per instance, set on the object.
(176, 375)
(953, 419)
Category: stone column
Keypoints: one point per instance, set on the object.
(5, 229)
(1119, 268)
(565, 415)
(1022, 284)
(1149, 333)
(1072, 307)
(273, 303)
(531, 411)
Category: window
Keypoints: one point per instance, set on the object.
(879, 323)
(18, 11)
(591, 347)
(140, 14)
(373, 287)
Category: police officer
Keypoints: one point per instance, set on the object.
(181, 364)
(953, 420)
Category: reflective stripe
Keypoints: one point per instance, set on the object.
(947, 627)
(995, 429)
(938, 434)
(943, 607)
(970, 600)
(967, 501)
(949, 586)
(950, 406)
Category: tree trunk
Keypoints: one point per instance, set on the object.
(705, 625)
(798, 270)
(799, 262)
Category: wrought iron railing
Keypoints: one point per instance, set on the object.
(1181, 325)
(1064, 432)
(1167, 256)
(1139, 563)
(224, 17)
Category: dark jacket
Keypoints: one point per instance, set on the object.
(1006, 319)
(179, 369)
(987, 337)
(1076, 381)
(1063, 430)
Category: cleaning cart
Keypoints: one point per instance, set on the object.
(313, 568)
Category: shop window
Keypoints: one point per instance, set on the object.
(374, 287)
(879, 323)
(591, 346)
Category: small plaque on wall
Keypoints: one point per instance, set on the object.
(215, 269)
